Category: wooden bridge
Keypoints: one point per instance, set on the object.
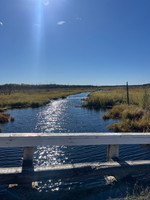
(27, 173)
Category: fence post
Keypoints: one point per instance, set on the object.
(127, 94)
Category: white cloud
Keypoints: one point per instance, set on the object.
(46, 2)
(1, 23)
(61, 22)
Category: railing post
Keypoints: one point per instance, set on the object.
(27, 164)
(28, 157)
(112, 152)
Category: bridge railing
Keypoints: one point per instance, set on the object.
(30, 140)
(28, 173)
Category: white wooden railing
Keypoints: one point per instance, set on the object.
(28, 173)
(30, 140)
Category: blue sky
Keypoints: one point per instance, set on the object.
(99, 42)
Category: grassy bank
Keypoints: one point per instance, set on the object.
(135, 117)
(36, 97)
(117, 95)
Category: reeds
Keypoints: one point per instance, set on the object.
(36, 97)
(135, 117)
(115, 96)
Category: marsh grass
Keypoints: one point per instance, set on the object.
(36, 97)
(124, 111)
(4, 118)
(115, 96)
(135, 117)
(138, 193)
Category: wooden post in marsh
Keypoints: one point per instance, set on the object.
(127, 94)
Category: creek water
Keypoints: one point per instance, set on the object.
(62, 116)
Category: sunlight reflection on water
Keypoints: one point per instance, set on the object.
(51, 118)
(52, 155)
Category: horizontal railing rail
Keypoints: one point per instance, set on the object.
(70, 139)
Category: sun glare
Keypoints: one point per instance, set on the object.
(38, 29)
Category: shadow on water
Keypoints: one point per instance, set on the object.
(117, 190)
(96, 109)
